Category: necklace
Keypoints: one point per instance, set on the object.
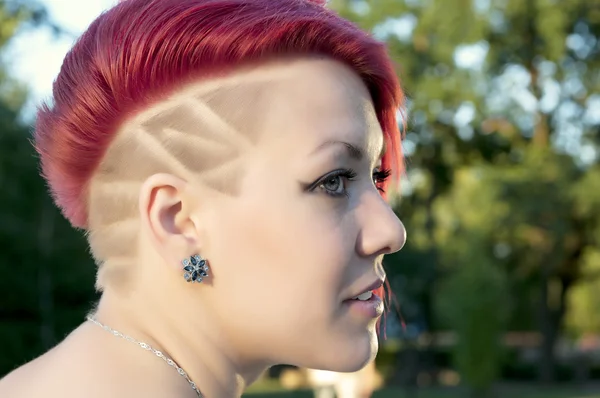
(147, 347)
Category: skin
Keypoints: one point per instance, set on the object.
(285, 245)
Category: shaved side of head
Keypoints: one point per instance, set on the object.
(200, 134)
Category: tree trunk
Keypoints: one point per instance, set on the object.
(553, 308)
(549, 333)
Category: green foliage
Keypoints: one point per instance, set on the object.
(500, 95)
(473, 303)
(473, 300)
(584, 300)
(15, 14)
(46, 275)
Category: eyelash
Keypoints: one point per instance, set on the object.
(379, 178)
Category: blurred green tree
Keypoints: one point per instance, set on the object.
(507, 91)
(46, 276)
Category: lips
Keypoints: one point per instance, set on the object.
(373, 286)
(369, 306)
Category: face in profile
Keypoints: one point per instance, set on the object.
(307, 228)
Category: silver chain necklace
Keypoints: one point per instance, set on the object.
(147, 347)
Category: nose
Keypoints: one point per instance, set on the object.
(381, 231)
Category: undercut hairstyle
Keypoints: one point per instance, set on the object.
(140, 52)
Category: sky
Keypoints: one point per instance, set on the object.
(38, 55)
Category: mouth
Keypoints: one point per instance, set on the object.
(367, 303)
(363, 296)
(368, 292)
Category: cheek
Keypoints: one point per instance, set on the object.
(284, 253)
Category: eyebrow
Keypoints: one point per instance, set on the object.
(354, 152)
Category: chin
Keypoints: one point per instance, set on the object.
(347, 354)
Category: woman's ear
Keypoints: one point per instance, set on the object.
(166, 209)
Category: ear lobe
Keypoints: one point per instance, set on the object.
(165, 211)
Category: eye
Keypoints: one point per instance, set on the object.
(380, 177)
(334, 183)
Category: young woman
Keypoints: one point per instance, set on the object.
(228, 161)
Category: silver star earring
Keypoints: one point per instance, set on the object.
(195, 268)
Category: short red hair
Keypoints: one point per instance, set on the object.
(137, 52)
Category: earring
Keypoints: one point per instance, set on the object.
(196, 268)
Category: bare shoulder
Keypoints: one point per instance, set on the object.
(48, 375)
(84, 366)
(16, 383)
(66, 371)
(30, 379)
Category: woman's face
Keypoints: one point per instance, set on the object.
(307, 229)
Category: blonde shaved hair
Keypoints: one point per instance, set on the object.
(199, 134)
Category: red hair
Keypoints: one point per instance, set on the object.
(137, 52)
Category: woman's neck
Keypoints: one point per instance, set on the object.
(189, 337)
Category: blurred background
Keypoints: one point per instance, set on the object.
(498, 286)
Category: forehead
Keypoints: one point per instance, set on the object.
(321, 100)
